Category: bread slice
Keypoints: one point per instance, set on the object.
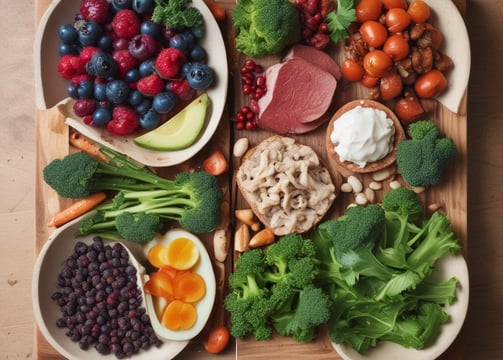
(348, 167)
(285, 185)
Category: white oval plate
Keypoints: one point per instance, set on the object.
(45, 274)
(50, 87)
(447, 267)
(204, 306)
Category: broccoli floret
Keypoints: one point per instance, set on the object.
(423, 158)
(176, 14)
(265, 26)
(192, 199)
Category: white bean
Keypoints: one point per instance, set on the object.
(418, 189)
(240, 147)
(375, 185)
(371, 195)
(346, 187)
(361, 199)
(355, 183)
(395, 184)
(381, 175)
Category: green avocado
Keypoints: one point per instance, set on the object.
(180, 131)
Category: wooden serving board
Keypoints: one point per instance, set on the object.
(52, 142)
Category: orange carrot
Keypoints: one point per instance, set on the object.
(160, 284)
(178, 315)
(217, 10)
(84, 144)
(216, 163)
(189, 287)
(78, 208)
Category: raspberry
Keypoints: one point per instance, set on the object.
(77, 79)
(70, 66)
(168, 62)
(95, 10)
(87, 53)
(124, 121)
(150, 85)
(126, 24)
(125, 62)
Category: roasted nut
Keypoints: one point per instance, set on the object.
(262, 238)
(220, 245)
(248, 217)
(240, 147)
(242, 238)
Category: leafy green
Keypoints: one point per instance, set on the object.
(339, 19)
(176, 14)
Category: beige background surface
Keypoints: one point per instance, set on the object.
(485, 199)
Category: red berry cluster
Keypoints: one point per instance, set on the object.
(253, 84)
(315, 30)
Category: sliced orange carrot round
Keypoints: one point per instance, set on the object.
(157, 256)
(160, 284)
(189, 287)
(178, 315)
(182, 253)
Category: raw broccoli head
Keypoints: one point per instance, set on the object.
(265, 26)
(139, 228)
(423, 158)
(404, 202)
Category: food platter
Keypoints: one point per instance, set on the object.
(449, 113)
(51, 87)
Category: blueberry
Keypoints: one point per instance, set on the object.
(146, 68)
(143, 6)
(132, 75)
(182, 41)
(144, 106)
(89, 33)
(121, 4)
(135, 98)
(103, 64)
(198, 31)
(164, 102)
(85, 89)
(105, 43)
(150, 120)
(68, 34)
(150, 28)
(197, 53)
(200, 76)
(65, 49)
(186, 68)
(101, 116)
(100, 93)
(117, 91)
(142, 46)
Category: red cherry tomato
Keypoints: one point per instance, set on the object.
(419, 11)
(396, 47)
(351, 70)
(368, 10)
(369, 81)
(216, 163)
(397, 19)
(377, 63)
(390, 86)
(218, 339)
(373, 33)
(409, 109)
(430, 84)
(390, 4)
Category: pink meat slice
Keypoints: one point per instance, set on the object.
(316, 57)
(298, 94)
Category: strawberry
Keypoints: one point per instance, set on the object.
(125, 62)
(124, 121)
(126, 24)
(168, 62)
(87, 53)
(70, 66)
(150, 85)
(95, 10)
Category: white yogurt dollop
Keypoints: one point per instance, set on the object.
(363, 135)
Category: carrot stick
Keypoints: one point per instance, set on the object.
(76, 209)
(84, 144)
(217, 10)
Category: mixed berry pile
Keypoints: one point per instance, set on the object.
(126, 71)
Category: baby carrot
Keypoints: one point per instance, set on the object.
(78, 208)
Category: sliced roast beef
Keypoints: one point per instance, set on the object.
(316, 57)
(298, 94)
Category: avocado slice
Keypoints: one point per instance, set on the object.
(180, 131)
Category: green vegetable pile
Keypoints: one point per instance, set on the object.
(365, 274)
(423, 158)
(265, 27)
(176, 14)
(143, 200)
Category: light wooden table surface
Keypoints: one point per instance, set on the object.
(484, 323)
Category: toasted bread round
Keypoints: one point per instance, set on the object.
(388, 160)
(285, 185)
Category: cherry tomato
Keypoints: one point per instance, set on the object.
(409, 109)
(376, 63)
(368, 10)
(396, 47)
(351, 70)
(390, 86)
(419, 11)
(390, 4)
(216, 163)
(430, 84)
(369, 81)
(218, 339)
(373, 33)
(397, 19)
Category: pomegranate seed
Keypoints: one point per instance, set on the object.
(247, 89)
(250, 115)
(240, 117)
(244, 70)
(240, 125)
(250, 64)
(260, 81)
(245, 109)
(254, 106)
(250, 125)
(258, 69)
